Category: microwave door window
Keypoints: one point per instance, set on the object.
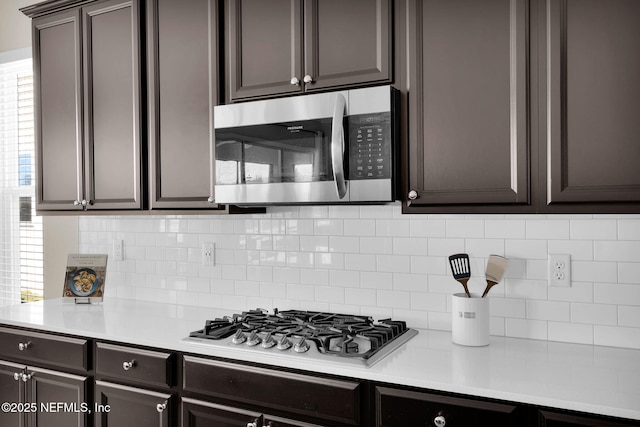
(284, 152)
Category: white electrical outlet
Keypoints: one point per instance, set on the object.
(118, 250)
(208, 253)
(560, 270)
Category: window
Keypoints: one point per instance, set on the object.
(21, 261)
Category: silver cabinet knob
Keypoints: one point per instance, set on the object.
(23, 345)
(295, 81)
(413, 194)
(26, 377)
(254, 424)
(307, 79)
(128, 365)
(17, 376)
(211, 200)
(76, 203)
(160, 407)
(440, 421)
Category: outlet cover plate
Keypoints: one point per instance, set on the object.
(208, 253)
(560, 270)
(118, 250)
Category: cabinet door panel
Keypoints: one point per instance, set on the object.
(112, 166)
(58, 112)
(129, 406)
(12, 391)
(181, 101)
(264, 47)
(468, 106)
(593, 100)
(404, 408)
(196, 413)
(49, 388)
(303, 395)
(347, 43)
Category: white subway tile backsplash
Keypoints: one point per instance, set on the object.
(549, 310)
(616, 293)
(616, 336)
(374, 260)
(570, 332)
(620, 251)
(629, 316)
(628, 229)
(595, 314)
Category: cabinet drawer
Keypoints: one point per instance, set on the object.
(295, 394)
(50, 350)
(135, 365)
(396, 407)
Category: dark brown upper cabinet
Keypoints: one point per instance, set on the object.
(522, 106)
(87, 111)
(469, 78)
(182, 56)
(590, 126)
(285, 47)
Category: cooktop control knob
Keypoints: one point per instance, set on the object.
(284, 343)
(254, 339)
(239, 337)
(301, 346)
(268, 341)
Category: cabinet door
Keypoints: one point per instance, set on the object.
(181, 101)
(468, 103)
(560, 419)
(347, 42)
(47, 389)
(264, 45)
(112, 109)
(11, 391)
(129, 406)
(405, 408)
(593, 131)
(196, 413)
(58, 110)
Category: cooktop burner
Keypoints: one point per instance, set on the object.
(343, 337)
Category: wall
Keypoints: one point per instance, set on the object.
(374, 260)
(15, 28)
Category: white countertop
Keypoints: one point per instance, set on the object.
(593, 379)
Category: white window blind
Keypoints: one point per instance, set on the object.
(21, 262)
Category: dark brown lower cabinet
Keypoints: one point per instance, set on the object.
(11, 391)
(42, 398)
(196, 413)
(547, 418)
(278, 398)
(398, 408)
(121, 406)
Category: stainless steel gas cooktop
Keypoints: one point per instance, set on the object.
(341, 338)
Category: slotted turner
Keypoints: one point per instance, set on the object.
(461, 269)
(495, 270)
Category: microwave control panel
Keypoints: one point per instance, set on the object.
(370, 151)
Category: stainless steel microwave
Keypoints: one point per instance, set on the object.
(335, 147)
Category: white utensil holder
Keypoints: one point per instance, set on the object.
(470, 320)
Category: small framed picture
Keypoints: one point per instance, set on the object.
(85, 278)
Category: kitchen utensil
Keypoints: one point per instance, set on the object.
(461, 269)
(495, 270)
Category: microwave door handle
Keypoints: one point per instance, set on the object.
(337, 145)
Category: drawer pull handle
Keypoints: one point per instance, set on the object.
(128, 365)
(160, 407)
(24, 345)
(440, 421)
